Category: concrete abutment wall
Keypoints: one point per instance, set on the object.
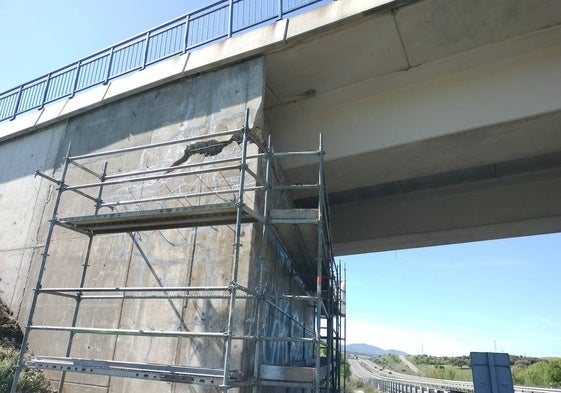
(204, 104)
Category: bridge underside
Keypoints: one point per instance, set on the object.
(441, 118)
(442, 121)
(493, 197)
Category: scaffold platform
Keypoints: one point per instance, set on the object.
(147, 220)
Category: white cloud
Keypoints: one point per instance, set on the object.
(414, 339)
(486, 263)
(440, 339)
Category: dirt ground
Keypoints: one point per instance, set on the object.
(9, 328)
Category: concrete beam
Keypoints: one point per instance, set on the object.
(495, 93)
(517, 206)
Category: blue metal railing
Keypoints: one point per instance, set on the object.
(214, 22)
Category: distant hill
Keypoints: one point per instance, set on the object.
(371, 350)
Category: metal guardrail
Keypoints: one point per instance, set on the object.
(430, 385)
(400, 383)
(211, 23)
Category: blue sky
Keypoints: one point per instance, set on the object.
(501, 295)
(39, 36)
(498, 295)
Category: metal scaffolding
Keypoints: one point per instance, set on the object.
(253, 199)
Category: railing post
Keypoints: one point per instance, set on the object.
(18, 100)
(109, 65)
(75, 85)
(186, 33)
(46, 91)
(230, 17)
(279, 16)
(145, 56)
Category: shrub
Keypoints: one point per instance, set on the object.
(31, 381)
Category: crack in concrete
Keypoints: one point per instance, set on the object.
(45, 204)
(35, 247)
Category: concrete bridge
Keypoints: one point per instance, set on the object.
(441, 118)
(441, 123)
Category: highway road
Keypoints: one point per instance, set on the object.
(367, 370)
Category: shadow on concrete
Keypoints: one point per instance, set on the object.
(203, 104)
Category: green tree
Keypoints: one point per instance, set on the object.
(460, 361)
(441, 372)
(519, 375)
(346, 371)
(536, 374)
(553, 373)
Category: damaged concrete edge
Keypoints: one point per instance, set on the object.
(252, 44)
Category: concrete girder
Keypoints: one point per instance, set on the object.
(429, 97)
(515, 206)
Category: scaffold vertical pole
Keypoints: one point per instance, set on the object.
(262, 256)
(38, 285)
(331, 368)
(235, 263)
(340, 334)
(82, 281)
(319, 266)
(345, 330)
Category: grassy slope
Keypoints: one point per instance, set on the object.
(32, 381)
(443, 371)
